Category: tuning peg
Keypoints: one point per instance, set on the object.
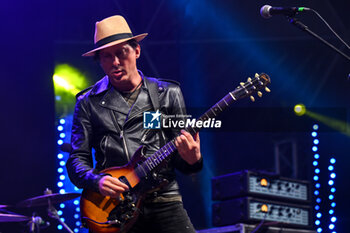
(249, 79)
(252, 98)
(256, 75)
(259, 93)
(242, 84)
(267, 89)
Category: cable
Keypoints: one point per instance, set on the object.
(330, 28)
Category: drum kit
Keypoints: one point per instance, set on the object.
(35, 223)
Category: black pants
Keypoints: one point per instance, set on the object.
(167, 217)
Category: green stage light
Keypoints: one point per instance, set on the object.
(299, 109)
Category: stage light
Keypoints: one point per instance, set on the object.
(330, 168)
(332, 160)
(316, 156)
(330, 182)
(317, 185)
(60, 170)
(76, 188)
(76, 202)
(315, 178)
(316, 141)
(333, 219)
(59, 142)
(333, 204)
(331, 226)
(62, 191)
(60, 156)
(59, 212)
(315, 127)
(62, 163)
(77, 209)
(76, 230)
(60, 128)
(62, 135)
(299, 109)
(76, 216)
(62, 177)
(78, 224)
(316, 193)
(314, 148)
(319, 229)
(317, 170)
(62, 205)
(317, 222)
(331, 197)
(314, 134)
(60, 184)
(315, 163)
(332, 190)
(318, 200)
(318, 215)
(332, 175)
(62, 219)
(62, 121)
(331, 211)
(59, 227)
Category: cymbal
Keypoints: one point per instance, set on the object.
(13, 218)
(44, 200)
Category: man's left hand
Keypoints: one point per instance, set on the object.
(188, 147)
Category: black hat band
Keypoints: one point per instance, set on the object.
(112, 38)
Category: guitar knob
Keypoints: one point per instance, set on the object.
(249, 79)
(260, 94)
(256, 75)
(252, 98)
(267, 89)
(242, 84)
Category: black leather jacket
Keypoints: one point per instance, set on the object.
(97, 112)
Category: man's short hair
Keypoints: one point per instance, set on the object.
(133, 43)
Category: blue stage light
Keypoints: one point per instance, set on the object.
(60, 128)
(62, 191)
(62, 219)
(59, 227)
(62, 135)
(318, 200)
(60, 170)
(316, 193)
(76, 216)
(332, 175)
(314, 148)
(316, 141)
(332, 160)
(62, 205)
(77, 209)
(77, 223)
(319, 229)
(331, 197)
(62, 121)
(315, 163)
(317, 170)
(333, 204)
(331, 226)
(315, 127)
(60, 184)
(333, 219)
(60, 156)
(76, 188)
(62, 163)
(318, 215)
(330, 168)
(315, 178)
(317, 207)
(317, 185)
(76, 230)
(316, 156)
(332, 190)
(317, 222)
(314, 134)
(330, 182)
(331, 211)
(59, 142)
(59, 212)
(76, 202)
(62, 177)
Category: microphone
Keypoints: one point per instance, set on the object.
(268, 11)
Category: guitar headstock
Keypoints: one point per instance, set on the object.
(251, 86)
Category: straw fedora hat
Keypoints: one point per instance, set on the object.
(112, 31)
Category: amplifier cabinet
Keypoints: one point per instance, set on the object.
(253, 210)
(259, 184)
(246, 228)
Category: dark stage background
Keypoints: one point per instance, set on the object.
(209, 47)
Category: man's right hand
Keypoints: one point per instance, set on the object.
(111, 186)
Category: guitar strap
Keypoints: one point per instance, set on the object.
(153, 89)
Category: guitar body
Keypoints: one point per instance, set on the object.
(97, 209)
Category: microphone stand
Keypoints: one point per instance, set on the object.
(303, 27)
